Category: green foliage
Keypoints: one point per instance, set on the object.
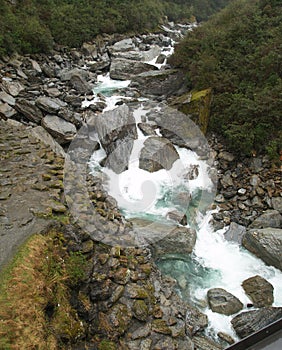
(75, 267)
(238, 54)
(31, 26)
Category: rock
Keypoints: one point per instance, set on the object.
(266, 244)
(226, 337)
(10, 100)
(157, 153)
(66, 75)
(63, 131)
(229, 157)
(160, 326)
(249, 322)
(180, 240)
(35, 66)
(140, 310)
(116, 131)
(123, 69)
(50, 105)
(123, 45)
(223, 302)
(270, 218)
(147, 129)
(7, 111)
(259, 290)
(192, 173)
(80, 84)
(29, 110)
(195, 321)
(277, 204)
(89, 49)
(204, 343)
(158, 82)
(12, 88)
(196, 104)
(176, 215)
(235, 233)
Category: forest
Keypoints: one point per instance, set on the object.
(238, 53)
(33, 26)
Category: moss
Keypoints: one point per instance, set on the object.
(107, 345)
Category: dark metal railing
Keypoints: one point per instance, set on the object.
(258, 336)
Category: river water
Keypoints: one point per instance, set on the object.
(214, 261)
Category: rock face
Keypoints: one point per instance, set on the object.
(123, 69)
(116, 131)
(266, 244)
(259, 290)
(249, 322)
(157, 153)
(271, 218)
(223, 302)
(60, 129)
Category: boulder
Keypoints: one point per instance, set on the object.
(66, 75)
(9, 99)
(62, 131)
(266, 244)
(157, 153)
(50, 105)
(89, 49)
(123, 69)
(29, 110)
(235, 233)
(223, 302)
(6, 111)
(270, 218)
(195, 321)
(259, 290)
(117, 131)
(204, 343)
(147, 129)
(249, 322)
(178, 216)
(80, 84)
(158, 82)
(123, 45)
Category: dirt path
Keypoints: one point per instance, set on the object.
(30, 186)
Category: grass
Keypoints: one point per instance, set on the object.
(35, 312)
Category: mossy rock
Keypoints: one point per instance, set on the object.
(196, 104)
(160, 326)
(140, 310)
(107, 345)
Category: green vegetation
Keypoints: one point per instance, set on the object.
(238, 54)
(32, 26)
(35, 310)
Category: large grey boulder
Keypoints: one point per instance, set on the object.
(6, 111)
(117, 131)
(66, 74)
(157, 153)
(270, 218)
(164, 82)
(80, 84)
(249, 322)
(266, 244)
(259, 290)
(138, 55)
(122, 45)
(223, 302)
(62, 131)
(29, 110)
(123, 69)
(50, 105)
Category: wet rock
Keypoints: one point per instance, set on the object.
(123, 69)
(259, 290)
(116, 131)
(50, 105)
(29, 110)
(223, 302)
(270, 218)
(235, 233)
(147, 129)
(266, 244)
(157, 153)
(176, 215)
(63, 131)
(226, 337)
(249, 322)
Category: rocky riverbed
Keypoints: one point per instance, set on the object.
(129, 302)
